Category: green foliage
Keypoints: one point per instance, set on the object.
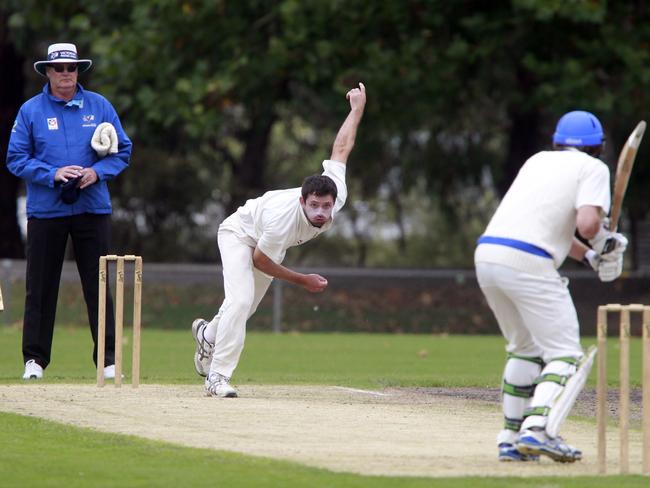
(227, 99)
(575, 10)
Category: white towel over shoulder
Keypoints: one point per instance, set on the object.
(104, 139)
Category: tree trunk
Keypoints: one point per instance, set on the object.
(523, 141)
(11, 87)
(249, 171)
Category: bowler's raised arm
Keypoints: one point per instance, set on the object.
(347, 134)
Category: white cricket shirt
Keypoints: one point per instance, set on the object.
(276, 221)
(540, 208)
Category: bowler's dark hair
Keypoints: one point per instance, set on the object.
(319, 185)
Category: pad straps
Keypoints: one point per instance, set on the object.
(542, 411)
(525, 391)
(512, 424)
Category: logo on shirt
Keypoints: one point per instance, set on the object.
(52, 124)
(13, 128)
(89, 121)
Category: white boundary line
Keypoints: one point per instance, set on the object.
(365, 392)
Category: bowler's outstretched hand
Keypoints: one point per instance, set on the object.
(357, 97)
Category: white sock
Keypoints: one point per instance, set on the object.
(507, 436)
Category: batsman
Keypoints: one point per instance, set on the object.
(555, 194)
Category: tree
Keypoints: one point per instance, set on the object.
(11, 88)
(225, 100)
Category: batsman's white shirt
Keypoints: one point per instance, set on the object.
(526, 293)
(540, 208)
(275, 221)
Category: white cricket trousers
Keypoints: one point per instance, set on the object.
(244, 288)
(535, 313)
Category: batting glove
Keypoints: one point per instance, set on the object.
(614, 243)
(607, 241)
(611, 268)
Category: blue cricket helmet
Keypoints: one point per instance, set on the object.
(578, 128)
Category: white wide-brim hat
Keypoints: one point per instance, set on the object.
(62, 53)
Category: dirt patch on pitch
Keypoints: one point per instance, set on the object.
(411, 432)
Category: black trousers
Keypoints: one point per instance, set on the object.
(46, 243)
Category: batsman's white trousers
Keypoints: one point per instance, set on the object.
(244, 288)
(535, 313)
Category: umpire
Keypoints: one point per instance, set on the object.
(67, 195)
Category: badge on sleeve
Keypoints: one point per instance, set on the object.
(52, 124)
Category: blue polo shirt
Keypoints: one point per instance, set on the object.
(50, 133)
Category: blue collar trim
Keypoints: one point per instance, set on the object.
(77, 99)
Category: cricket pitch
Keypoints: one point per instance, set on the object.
(393, 432)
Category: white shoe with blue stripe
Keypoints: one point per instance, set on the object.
(509, 453)
(538, 443)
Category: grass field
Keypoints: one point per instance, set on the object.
(48, 454)
(357, 360)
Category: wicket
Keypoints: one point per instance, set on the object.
(119, 317)
(624, 399)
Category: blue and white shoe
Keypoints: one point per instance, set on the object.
(509, 453)
(538, 443)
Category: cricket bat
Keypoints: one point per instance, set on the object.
(623, 172)
(2, 307)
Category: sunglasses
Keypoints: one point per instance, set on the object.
(71, 68)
